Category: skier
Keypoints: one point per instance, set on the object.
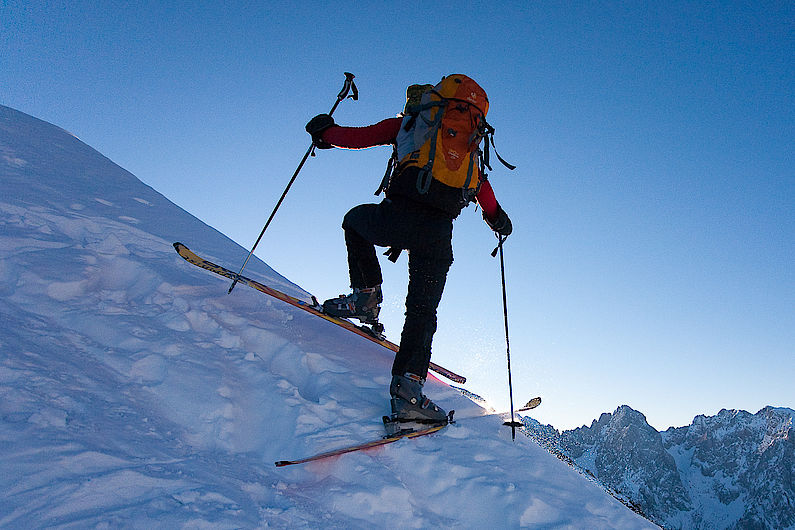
(416, 215)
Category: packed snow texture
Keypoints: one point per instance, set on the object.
(134, 392)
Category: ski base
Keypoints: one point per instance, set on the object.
(388, 439)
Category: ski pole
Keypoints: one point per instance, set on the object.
(349, 85)
(512, 424)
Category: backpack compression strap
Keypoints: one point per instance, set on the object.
(488, 131)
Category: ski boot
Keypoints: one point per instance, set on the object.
(410, 405)
(362, 304)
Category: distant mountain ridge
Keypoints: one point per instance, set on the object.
(731, 470)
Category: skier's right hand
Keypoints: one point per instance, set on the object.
(317, 126)
(501, 223)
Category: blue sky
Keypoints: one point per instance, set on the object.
(652, 260)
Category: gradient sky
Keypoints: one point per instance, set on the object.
(652, 256)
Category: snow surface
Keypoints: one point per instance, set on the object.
(135, 393)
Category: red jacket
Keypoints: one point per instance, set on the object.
(384, 133)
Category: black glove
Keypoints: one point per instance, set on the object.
(501, 224)
(317, 126)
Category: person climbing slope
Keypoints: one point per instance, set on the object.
(438, 170)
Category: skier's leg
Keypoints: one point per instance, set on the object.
(362, 227)
(363, 267)
(427, 276)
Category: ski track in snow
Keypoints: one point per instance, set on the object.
(135, 393)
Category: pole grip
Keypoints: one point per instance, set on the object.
(349, 85)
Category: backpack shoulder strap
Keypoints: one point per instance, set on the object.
(390, 168)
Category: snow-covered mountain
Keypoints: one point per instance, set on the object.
(135, 393)
(732, 470)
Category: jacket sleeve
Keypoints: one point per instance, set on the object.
(488, 201)
(382, 133)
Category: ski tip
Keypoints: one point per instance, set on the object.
(282, 463)
(533, 403)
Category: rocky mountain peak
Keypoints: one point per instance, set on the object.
(730, 470)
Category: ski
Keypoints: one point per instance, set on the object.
(533, 403)
(313, 308)
(388, 439)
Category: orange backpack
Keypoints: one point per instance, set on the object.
(441, 132)
(441, 135)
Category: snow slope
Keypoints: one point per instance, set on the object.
(135, 393)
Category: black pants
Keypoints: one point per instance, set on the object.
(427, 235)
